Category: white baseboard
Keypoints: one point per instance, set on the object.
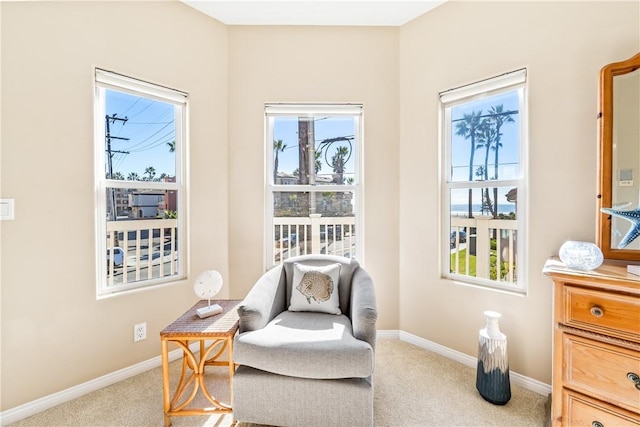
(515, 378)
(31, 408)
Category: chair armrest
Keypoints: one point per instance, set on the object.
(264, 301)
(364, 312)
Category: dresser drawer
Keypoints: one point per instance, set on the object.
(603, 312)
(602, 371)
(580, 411)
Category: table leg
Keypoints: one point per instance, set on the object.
(232, 368)
(188, 387)
(165, 382)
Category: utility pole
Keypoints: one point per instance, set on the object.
(303, 152)
(311, 159)
(307, 158)
(110, 153)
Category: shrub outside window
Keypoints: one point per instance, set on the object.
(140, 144)
(483, 182)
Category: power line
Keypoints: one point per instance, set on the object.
(153, 144)
(132, 105)
(504, 113)
(151, 102)
(321, 141)
(149, 123)
(150, 136)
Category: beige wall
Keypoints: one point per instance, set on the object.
(314, 64)
(54, 333)
(563, 46)
(51, 322)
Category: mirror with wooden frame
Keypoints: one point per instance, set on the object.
(619, 162)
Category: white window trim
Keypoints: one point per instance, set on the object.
(107, 80)
(115, 81)
(515, 80)
(302, 110)
(500, 83)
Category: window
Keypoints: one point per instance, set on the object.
(313, 180)
(140, 151)
(483, 182)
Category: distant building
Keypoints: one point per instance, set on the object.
(170, 203)
(286, 179)
(122, 202)
(146, 204)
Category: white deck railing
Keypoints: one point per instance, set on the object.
(486, 228)
(150, 249)
(314, 234)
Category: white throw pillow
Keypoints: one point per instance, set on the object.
(315, 288)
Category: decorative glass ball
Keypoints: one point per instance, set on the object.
(581, 255)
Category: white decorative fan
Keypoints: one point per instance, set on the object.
(206, 286)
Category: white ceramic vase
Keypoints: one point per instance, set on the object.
(493, 329)
(492, 378)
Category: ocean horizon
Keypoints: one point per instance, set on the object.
(476, 208)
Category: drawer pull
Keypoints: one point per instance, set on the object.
(632, 376)
(597, 424)
(597, 312)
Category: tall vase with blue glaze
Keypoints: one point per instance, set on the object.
(492, 378)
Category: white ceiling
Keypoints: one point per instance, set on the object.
(313, 12)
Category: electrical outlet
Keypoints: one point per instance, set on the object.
(139, 332)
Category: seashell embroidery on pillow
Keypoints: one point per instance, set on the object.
(316, 285)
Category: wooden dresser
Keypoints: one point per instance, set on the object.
(596, 346)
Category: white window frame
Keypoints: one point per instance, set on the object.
(107, 80)
(515, 80)
(311, 110)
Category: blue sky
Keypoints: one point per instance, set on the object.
(286, 129)
(509, 153)
(150, 126)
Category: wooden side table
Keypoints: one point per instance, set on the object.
(219, 331)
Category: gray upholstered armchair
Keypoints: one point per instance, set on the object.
(300, 365)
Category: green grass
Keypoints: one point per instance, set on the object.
(462, 263)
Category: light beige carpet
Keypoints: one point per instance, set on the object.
(413, 387)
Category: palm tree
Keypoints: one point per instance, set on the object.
(338, 161)
(318, 166)
(469, 128)
(133, 176)
(499, 117)
(486, 140)
(150, 172)
(278, 147)
(485, 205)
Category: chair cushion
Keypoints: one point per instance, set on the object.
(306, 345)
(347, 269)
(315, 288)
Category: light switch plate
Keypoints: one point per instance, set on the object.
(6, 209)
